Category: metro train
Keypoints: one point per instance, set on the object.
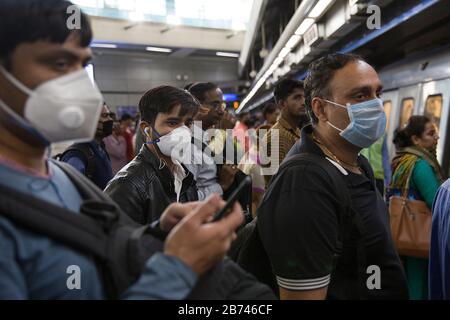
(419, 85)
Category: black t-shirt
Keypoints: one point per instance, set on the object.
(299, 227)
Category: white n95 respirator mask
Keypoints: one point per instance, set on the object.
(63, 109)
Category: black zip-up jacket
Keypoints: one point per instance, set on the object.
(143, 190)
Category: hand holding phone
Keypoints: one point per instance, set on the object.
(246, 183)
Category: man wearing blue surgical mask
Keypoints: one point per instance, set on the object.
(323, 223)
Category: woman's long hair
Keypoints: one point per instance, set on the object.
(415, 127)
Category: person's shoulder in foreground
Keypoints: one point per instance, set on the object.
(439, 263)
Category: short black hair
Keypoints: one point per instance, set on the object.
(199, 89)
(285, 88)
(25, 21)
(320, 73)
(163, 99)
(269, 108)
(242, 115)
(126, 117)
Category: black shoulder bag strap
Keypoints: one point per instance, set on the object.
(85, 186)
(73, 229)
(84, 231)
(89, 190)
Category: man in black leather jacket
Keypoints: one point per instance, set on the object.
(154, 179)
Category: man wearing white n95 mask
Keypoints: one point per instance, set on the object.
(46, 97)
(157, 177)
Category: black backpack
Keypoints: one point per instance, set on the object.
(119, 246)
(88, 154)
(248, 250)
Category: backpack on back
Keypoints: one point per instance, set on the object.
(88, 154)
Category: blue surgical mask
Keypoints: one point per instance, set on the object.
(367, 122)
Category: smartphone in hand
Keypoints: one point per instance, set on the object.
(246, 183)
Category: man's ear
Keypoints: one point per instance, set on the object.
(318, 108)
(146, 129)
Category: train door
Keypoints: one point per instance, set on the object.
(435, 105)
(409, 102)
(390, 102)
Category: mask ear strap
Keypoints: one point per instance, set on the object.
(23, 123)
(334, 127)
(155, 141)
(162, 163)
(19, 85)
(336, 104)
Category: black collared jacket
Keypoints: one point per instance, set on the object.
(144, 190)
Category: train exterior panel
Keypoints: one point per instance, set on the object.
(419, 85)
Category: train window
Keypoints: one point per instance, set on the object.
(433, 108)
(387, 110)
(407, 111)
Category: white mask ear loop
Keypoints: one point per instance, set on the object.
(19, 85)
(334, 127)
(339, 105)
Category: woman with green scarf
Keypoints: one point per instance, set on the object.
(416, 157)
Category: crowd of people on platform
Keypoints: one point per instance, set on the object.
(321, 216)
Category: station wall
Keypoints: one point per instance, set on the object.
(123, 77)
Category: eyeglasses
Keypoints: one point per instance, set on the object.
(108, 114)
(217, 105)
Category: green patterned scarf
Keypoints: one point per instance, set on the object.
(404, 162)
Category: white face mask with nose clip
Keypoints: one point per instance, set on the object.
(63, 109)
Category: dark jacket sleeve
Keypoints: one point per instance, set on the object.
(128, 196)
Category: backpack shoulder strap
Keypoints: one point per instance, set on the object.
(88, 154)
(332, 173)
(73, 229)
(84, 185)
(89, 190)
(349, 219)
(367, 168)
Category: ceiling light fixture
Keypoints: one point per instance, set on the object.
(227, 54)
(157, 49)
(104, 45)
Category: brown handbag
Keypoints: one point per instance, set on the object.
(410, 222)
